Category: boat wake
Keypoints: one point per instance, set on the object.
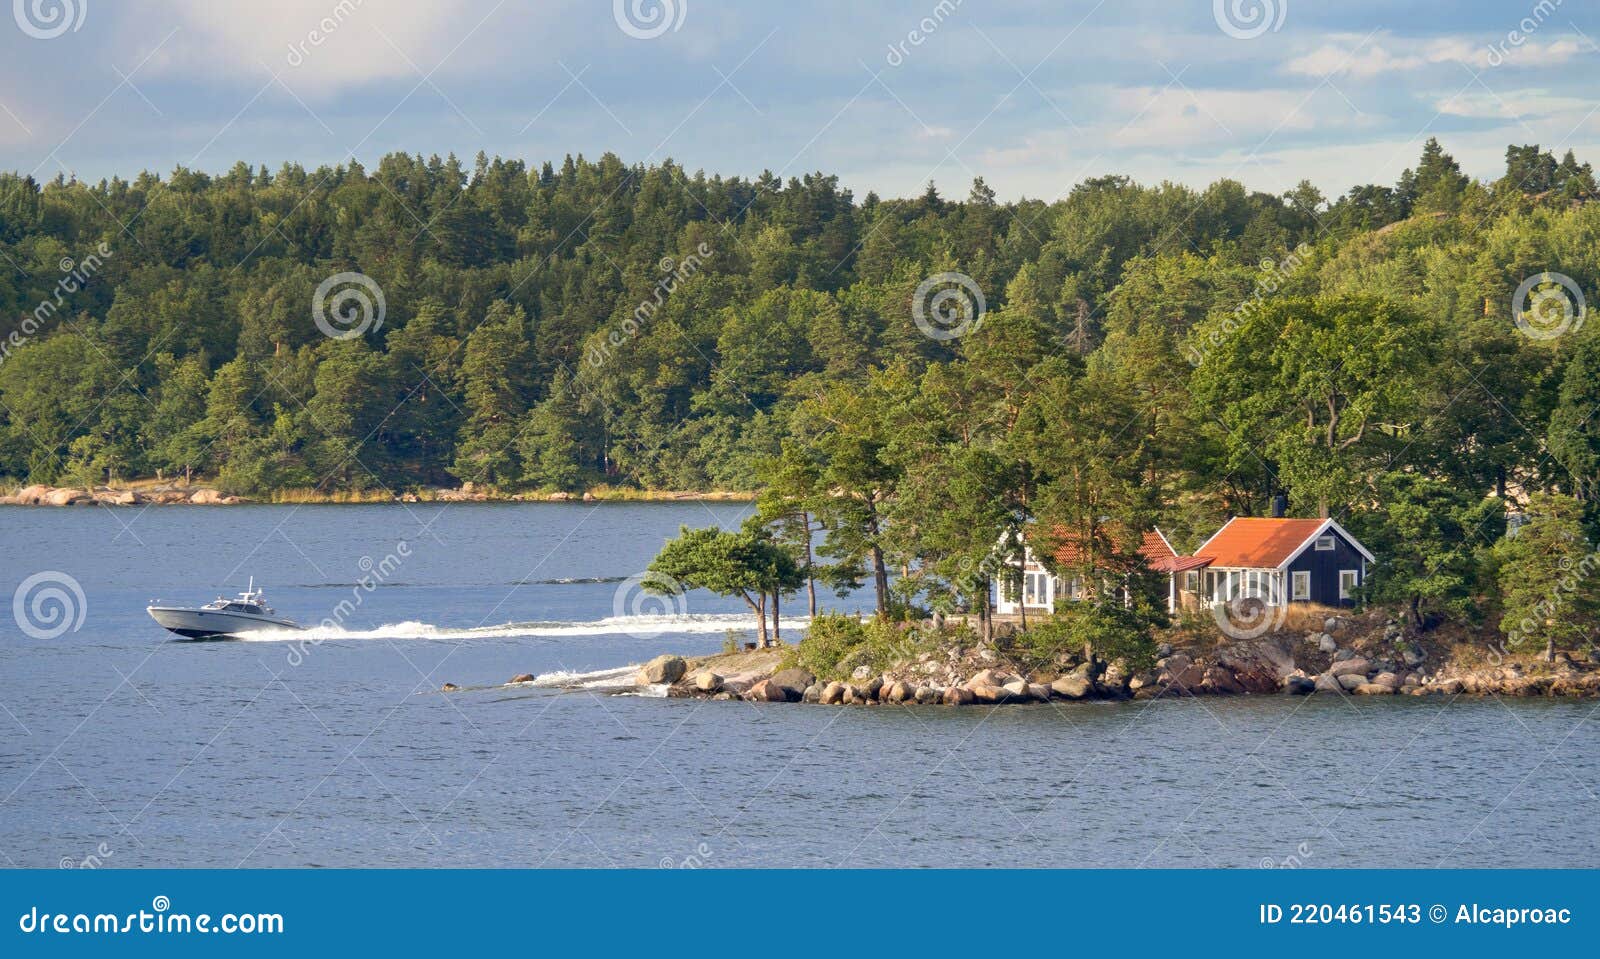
(617, 680)
(643, 627)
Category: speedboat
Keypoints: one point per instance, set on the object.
(221, 617)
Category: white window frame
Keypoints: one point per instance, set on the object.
(1352, 577)
(1300, 585)
(1329, 540)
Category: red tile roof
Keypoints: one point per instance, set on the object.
(1152, 546)
(1257, 542)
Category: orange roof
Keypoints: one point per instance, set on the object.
(1258, 542)
(1152, 546)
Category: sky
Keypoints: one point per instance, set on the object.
(1032, 96)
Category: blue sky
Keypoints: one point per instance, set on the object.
(1033, 96)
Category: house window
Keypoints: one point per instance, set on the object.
(1349, 579)
(1324, 543)
(1191, 582)
(1302, 585)
(1033, 589)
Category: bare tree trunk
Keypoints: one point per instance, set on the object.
(761, 615)
(811, 570)
(777, 630)
(1550, 650)
(880, 580)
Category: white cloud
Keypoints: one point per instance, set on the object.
(317, 46)
(1365, 58)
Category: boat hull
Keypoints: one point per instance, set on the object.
(211, 624)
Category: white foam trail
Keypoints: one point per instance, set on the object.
(643, 627)
(599, 679)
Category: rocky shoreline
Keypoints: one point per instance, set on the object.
(1362, 655)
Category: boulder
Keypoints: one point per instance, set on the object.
(1071, 687)
(795, 679)
(205, 497)
(1038, 692)
(767, 691)
(31, 495)
(1350, 667)
(958, 696)
(1331, 624)
(861, 673)
(1219, 679)
(1374, 689)
(1163, 650)
(992, 677)
(897, 692)
(1299, 685)
(449, 688)
(1351, 680)
(1343, 655)
(1413, 657)
(832, 694)
(520, 678)
(926, 695)
(872, 688)
(1017, 691)
(663, 669)
(812, 694)
(1180, 671)
(1388, 679)
(1327, 643)
(987, 694)
(66, 497)
(706, 681)
(1328, 682)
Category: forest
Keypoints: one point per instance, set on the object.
(903, 376)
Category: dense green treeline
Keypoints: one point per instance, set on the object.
(596, 322)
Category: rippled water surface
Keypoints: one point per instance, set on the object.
(120, 745)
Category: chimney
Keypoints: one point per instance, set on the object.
(1280, 506)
